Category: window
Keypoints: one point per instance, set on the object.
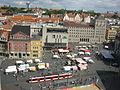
(35, 55)
(59, 36)
(53, 36)
(23, 54)
(35, 51)
(11, 54)
(15, 54)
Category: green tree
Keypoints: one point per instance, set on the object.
(115, 16)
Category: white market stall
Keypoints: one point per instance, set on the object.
(67, 68)
(11, 69)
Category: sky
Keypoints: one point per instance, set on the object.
(96, 5)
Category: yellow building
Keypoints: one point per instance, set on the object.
(111, 34)
(36, 47)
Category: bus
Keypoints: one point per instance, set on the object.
(50, 78)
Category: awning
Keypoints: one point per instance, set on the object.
(74, 67)
(67, 68)
(86, 50)
(80, 60)
(63, 50)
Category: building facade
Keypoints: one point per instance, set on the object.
(3, 43)
(19, 42)
(36, 46)
(87, 33)
(111, 34)
(54, 36)
(35, 29)
(84, 18)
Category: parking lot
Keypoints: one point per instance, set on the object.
(98, 72)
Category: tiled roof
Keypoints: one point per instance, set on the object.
(29, 20)
(21, 18)
(19, 28)
(7, 33)
(71, 15)
(57, 15)
(53, 19)
(108, 15)
(3, 10)
(72, 24)
(7, 26)
(115, 25)
(84, 15)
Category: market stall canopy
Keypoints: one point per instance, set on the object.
(86, 58)
(63, 50)
(86, 50)
(74, 67)
(67, 68)
(82, 67)
(80, 60)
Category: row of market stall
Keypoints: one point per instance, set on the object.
(79, 63)
(29, 65)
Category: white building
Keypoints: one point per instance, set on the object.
(84, 18)
(54, 36)
(86, 32)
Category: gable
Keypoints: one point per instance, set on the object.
(20, 35)
(18, 28)
(3, 37)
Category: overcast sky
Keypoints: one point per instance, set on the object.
(97, 5)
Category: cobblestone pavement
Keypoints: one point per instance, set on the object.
(101, 73)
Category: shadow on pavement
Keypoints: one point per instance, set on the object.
(110, 79)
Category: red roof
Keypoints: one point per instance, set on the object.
(84, 15)
(53, 19)
(108, 15)
(7, 26)
(115, 25)
(16, 18)
(71, 15)
(7, 33)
